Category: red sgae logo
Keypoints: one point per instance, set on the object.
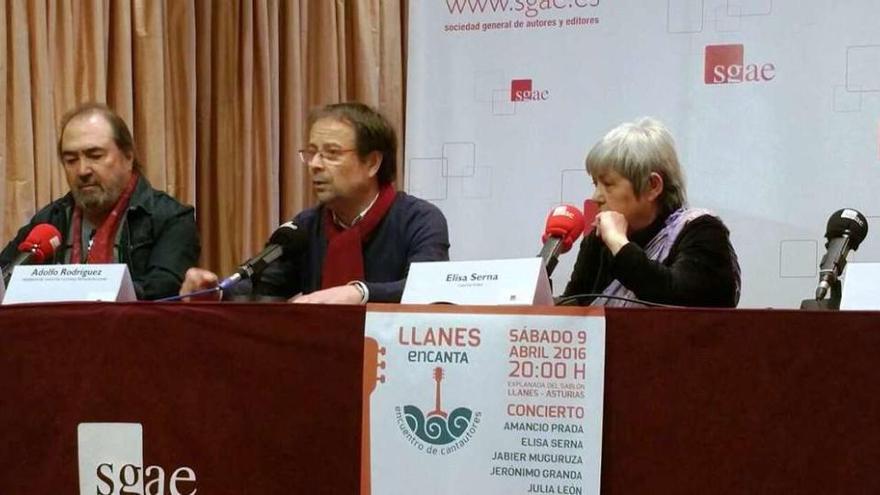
(521, 90)
(725, 64)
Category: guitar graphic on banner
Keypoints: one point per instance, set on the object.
(438, 427)
(438, 377)
(372, 364)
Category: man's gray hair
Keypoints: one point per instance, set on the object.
(635, 150)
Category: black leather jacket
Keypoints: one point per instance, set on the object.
(159, 240)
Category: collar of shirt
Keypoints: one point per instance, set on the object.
(338, 221)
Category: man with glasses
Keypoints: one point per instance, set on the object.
(363, 234)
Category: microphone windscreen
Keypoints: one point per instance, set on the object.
(591, 209)
(42, 241)
(290, 237)
(847, 221)
(565, 222)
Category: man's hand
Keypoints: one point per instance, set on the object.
(611, 227)
(343, 294)
(199, 279)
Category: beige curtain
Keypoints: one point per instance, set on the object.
(216, 92)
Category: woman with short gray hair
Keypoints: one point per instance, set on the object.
(647, 244)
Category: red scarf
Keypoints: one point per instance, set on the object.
(105, 237)
(344, 261)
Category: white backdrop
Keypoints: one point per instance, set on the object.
(773, 157)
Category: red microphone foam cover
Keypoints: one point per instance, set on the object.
(42, 241)
(564, 221)
(591, 209)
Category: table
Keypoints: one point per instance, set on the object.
(266, 398)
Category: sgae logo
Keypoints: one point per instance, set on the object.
(111, 463)
(521, 90)
(725, 65)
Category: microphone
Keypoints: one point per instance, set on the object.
(287, 240)
(564, 225)
(846, 229)
(39, 244)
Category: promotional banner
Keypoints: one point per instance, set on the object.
(469, 401)
(775, 108)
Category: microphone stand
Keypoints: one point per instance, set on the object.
(196, 293)
(836, 294)
(830, 304)
(551, 265)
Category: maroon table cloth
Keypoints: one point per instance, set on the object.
(741, 401)
(254, 398)
(267, 398)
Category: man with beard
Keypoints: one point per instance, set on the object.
(112, 214)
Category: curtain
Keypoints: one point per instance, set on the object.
(216, 93)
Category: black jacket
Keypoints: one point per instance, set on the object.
(158, 241)
(701, 269)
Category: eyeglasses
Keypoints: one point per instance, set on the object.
(328, 156)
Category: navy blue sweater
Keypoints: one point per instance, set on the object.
(412, 230)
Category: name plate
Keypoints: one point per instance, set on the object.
(860, 288)
(59, 283)
(486, 282)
